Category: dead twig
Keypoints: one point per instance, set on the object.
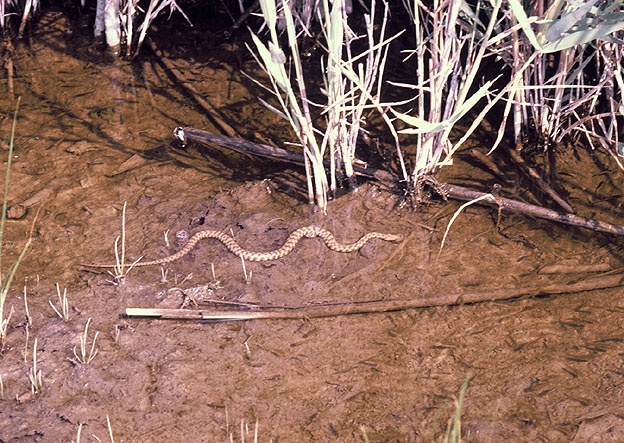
(369, 307)
(461, 193)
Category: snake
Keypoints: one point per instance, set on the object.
(285, 249)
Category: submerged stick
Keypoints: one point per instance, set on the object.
(211, 111)
(487, 161)
(539, 181)
(338, 309)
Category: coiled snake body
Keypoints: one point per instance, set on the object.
(287, 247)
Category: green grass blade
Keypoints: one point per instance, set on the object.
(559, 27)
(582, 37)
(523, 20)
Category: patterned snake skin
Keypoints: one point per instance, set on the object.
(289, 245)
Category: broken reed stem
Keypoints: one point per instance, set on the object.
(110, 429)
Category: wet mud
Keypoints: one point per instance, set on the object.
(93, 135)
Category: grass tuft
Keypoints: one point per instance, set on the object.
(120, 271)
(63, 310)
(453, 428)
(85, 356)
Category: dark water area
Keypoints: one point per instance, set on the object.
(92, 135)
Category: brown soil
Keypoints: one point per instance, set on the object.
(91, 136)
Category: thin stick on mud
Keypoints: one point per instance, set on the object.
(609, 280)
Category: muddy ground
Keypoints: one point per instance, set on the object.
(92, 135)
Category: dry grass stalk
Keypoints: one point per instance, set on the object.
(456, 214)
(120, 270)
(247, 277)
(110, 429)
(244, 430)
(5, 283)
(28, 317)
(25, 351)
(78, 434)
(117, 333)
(4, 324)
(34, 375)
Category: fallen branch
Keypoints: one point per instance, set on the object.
(266, 151)
(338, 309)
(461, 193)
(448, 190)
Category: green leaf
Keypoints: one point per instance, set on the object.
(269, 12)
(275, 70)
(582, 37)
(523, 20)
(422, 126)
(559, 27)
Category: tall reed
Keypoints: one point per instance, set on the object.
(564, 57)
(116, 20)
(351, 84)
(451, 45)
(352, 81)
(9, 8)
(292, 97)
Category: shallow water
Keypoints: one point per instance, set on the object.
(93, 135)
